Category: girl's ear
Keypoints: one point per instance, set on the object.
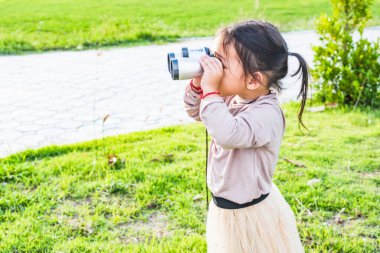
(255, 81)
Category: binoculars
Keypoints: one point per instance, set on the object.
(185, 64)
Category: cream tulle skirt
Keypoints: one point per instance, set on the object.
(268, 226)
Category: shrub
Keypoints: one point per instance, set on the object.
(346, 71)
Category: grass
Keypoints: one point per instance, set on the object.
(43, 25)
(69, 199)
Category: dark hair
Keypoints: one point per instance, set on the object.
(261, 47)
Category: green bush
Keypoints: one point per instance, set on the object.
(346, 71)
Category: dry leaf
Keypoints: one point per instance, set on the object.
(105, 117)
(294, 163)
(332, 105)
(197, 197)
(317, 109)
(313, 181)
(112, 159)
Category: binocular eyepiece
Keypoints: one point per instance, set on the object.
(185, 64)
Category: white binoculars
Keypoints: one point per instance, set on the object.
(185, 64)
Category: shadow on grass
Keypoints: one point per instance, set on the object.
(91, 145)
(142, 38)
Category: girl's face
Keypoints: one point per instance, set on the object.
(234, 81)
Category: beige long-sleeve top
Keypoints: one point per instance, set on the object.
(246, 139)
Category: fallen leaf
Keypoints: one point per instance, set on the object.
(105, 117)
(313, 181)
(317, 109)
(112, 159)
(197, 197)
(295, 163)
(332, 105)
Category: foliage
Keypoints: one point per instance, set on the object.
(347, 71)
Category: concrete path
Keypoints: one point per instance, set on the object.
(62, 97)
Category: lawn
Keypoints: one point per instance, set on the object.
(152, 199)
(42, 25)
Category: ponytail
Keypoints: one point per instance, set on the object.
(305, 83)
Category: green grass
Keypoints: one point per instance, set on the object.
(68, 199)
(42, 25)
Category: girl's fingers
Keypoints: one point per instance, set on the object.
(205, 64)
(211, 63)
(218, 64)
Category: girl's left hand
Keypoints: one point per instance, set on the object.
(212, 75)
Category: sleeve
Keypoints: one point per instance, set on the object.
(192, 102)
(250, 128)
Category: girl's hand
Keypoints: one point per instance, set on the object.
(212, 75)
(197, 81)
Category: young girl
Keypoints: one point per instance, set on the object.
(236, 100)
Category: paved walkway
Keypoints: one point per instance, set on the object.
(62, 97)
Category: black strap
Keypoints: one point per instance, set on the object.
(227, 204)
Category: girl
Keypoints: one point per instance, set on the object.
(236, 100)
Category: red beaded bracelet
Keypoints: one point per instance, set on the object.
(210, 93)
(194, 88)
